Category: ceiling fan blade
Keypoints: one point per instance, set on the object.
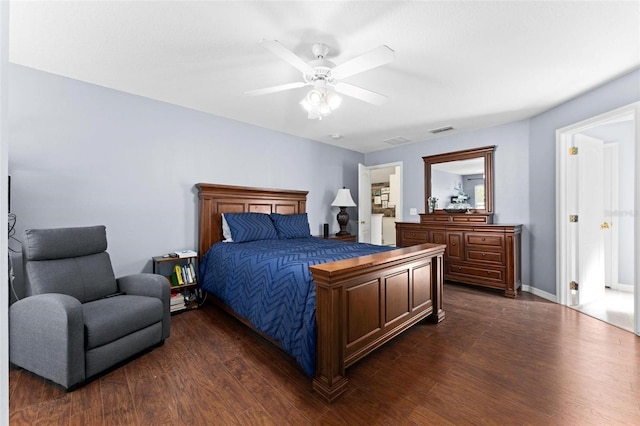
(379, 56)
(274, 89)
(287, 55)
(360, 93)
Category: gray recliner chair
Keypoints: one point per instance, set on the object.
(78, 319)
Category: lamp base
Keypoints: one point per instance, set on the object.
(343, 220)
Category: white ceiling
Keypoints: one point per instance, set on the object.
(468, 64)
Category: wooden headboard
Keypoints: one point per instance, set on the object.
(218, 199)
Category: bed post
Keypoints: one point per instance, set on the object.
(330, 381)
(437, 281)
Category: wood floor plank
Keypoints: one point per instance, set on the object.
(117, 400)
(24, 416)
(87, 400)
(492, 361)
(91, 416)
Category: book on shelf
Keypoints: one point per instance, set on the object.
(177, 271)
(186, 273)
(177, 298)
(177, 303)
(173, 280)
(175, 308)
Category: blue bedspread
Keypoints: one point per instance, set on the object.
(268, 282)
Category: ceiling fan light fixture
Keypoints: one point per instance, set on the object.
(306, 105)
(323, 74)
(324, 109)
(314, 114)
(315, 97)
(333, 100)
(319, 102)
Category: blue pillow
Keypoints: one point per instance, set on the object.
(291, 225)
(250, 227)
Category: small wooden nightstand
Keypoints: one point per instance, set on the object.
(184, 291)
(347, 238)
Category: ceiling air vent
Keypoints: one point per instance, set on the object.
(398, 140)
(441, 129)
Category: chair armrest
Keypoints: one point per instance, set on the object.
(151, 285)
(46, 336)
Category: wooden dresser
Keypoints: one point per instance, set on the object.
(478, 252)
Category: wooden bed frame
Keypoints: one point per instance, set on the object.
(361, 303)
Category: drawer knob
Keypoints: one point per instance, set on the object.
(453, 244)
(482, 254)
(483, 239)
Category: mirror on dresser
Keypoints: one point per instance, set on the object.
(478, 252)
(460, 182)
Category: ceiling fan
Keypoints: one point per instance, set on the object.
(323, 75)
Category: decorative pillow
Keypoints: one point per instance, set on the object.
(291, 225)
(250, 227)
(226, 232)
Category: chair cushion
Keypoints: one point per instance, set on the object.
(86, 278)
(70, 261)
(60, 243)
(111, 318)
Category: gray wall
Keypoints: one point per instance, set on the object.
(81, 154)
(442, 184)
(511, 172)
(620, 92)
(525, 182)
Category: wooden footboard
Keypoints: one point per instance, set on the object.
(362, 303)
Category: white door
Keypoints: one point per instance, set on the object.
(610, 208)
(589, 190)
(364, 204)
(376, 228)
(566, 231)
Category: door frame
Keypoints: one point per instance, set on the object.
(399, 206)
(564, 138)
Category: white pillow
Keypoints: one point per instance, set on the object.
(226, 231)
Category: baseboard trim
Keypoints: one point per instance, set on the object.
(622, 287)
(540, 293)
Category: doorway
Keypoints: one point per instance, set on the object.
(379, 203)
(598, 228)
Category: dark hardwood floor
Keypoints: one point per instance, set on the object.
(493, 360)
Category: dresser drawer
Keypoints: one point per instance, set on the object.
(474, 273)
(484, 239)
(434, 218)
(415, 237)
(486, 256)
(463, 218)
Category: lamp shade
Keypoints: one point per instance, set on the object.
(343, 199)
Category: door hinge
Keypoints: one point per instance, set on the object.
(573, 218)
(573, 150)
(573, 286)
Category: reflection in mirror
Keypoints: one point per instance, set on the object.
(461, 181)
(459, 185)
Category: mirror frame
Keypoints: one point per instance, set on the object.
(486, 152)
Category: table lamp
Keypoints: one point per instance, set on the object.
(343, 200)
